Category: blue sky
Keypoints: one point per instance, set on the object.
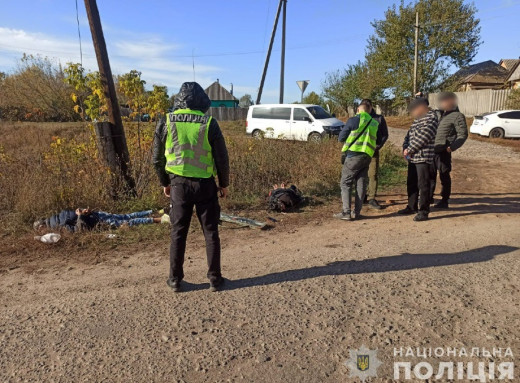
(228, 38)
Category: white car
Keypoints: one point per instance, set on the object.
(291, 122)
(505, 123)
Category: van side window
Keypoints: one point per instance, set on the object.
(272, 113)
(301, 115)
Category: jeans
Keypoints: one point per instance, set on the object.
(442, 165)
(187, 193)
(131, 219)
(419, 186)
(354, 172)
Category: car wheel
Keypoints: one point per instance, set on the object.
(257, 134)
(314, 137)
(497, 133)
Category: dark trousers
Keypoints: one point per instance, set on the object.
(419, 186)
(187, 193)
(442, 165)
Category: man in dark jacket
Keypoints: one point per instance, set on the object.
(373, 170)
(418, 149)
(451, 135)
(189, 149)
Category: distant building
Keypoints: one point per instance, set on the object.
(220, 97)
(513, 66)
(484, 75)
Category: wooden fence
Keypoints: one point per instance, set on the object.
(228, 114)
(476, 102)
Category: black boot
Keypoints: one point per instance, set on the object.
(175, 284)
(216, 284)
(407, 211)
(421, 216)
(373, 204)
(442, 204)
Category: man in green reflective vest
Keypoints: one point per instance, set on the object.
(189, 151)
(361, 137)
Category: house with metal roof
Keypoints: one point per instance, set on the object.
(220, 97)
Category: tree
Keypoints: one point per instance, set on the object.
(131, 88)
(513, 100)
(314, 99)
(36, 92)
(158, 101)
(345, 87)
(87, 93)
(245, 101)
(449, 36)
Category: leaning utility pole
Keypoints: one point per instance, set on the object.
(269, 50)
(111, 135)
(416, 53)
(282, 66)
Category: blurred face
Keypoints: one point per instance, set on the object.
(419, 111)
(448, 104)
(362, 108)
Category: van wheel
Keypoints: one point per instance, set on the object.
(497, 133)
(257, 134)
(314, 137)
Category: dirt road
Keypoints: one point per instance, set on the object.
(299, 297)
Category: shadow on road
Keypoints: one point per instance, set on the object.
(400, 262)
(467, 206)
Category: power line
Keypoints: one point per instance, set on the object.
(79, 35)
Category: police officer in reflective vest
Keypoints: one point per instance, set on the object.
(360, 136)
(189, 151)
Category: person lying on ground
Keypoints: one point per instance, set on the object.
(86, 219)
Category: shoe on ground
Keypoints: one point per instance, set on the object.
(165, 218)
(420, 217)
(344, 215)
(407, 211)
(442, 205)
(373, 204)
(216, 284)
(356, 216)
(175, 284)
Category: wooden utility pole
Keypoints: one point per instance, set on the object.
(268, 57)
(416, 53)
(282, 66)
(113, 133)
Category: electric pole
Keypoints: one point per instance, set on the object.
(113, 132)
(282, 66)
(416, 53)
(268, 57)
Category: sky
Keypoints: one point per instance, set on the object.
(226, 40)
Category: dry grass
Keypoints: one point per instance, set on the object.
(47, 167)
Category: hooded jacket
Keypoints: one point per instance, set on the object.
(192, 96)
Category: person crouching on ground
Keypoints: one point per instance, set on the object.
(189, 150)
(361, 137)
(418, 149)
(85, 219)
(452, 133)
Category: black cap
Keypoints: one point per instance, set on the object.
(443, 96)
(418, 101)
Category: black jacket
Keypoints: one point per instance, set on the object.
(68, 219)
(382, 129)
(192, 96)
(452, 130)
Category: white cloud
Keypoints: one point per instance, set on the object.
(148, 54)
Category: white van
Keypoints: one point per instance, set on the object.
(291, 122)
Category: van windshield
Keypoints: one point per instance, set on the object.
(318, 112)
